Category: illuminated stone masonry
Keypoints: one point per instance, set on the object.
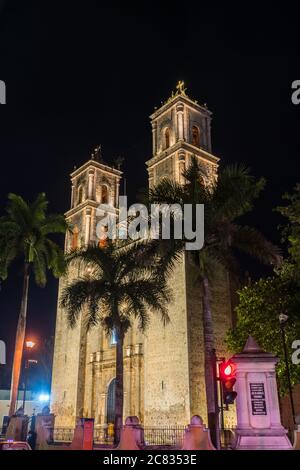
(164, 369)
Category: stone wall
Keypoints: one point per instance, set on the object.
(174, 355)
(167, 397)
(68, 372)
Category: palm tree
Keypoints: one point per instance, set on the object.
(24, 234)
(118, 285)
(225, 201)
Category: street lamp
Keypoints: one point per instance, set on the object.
(29, 345)
(283, 318)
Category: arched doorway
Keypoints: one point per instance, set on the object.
(110, 408)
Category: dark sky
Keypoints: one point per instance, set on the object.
(78, 75)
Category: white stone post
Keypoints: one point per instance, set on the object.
(258, 418)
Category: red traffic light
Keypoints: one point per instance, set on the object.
(227, 378)
(227, 370)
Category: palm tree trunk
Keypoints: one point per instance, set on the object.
(19, 345)
(119, 387)
(209, 363)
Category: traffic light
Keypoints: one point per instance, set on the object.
(227, 378)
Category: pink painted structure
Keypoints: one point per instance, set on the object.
(258, 417)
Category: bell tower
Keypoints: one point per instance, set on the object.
(174, 355)
(181, 128)
(95, 193)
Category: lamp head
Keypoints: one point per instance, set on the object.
(283, 318)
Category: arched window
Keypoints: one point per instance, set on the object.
(75, 238)
(80, 195)
(195, 136)
(110, 409)
(104, 194)
(167, 138)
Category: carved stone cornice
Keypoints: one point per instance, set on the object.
(100, 166)
(87, 204)
(181, 144)
(180, 98)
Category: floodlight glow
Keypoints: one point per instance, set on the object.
(44, 397)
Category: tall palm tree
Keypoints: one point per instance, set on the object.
(24, 234)
(225, 200)
(117, 286)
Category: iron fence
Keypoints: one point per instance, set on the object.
(104, 434)
(226, 438)
(164, 436)
(61, 434)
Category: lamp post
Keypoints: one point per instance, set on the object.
(283, 318)
(29, 345)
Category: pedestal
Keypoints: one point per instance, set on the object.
(197, 436)
(17, 428)
(258, 416)
(44, 427)
(132, 435)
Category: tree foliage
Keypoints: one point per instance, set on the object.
(116, 285)
(261, 303)
(25, 233)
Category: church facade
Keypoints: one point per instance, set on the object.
(164, 367)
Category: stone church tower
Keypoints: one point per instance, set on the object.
(163, 369)
(174, 356)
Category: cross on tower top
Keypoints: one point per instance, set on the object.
(180, 87)
(97, 153)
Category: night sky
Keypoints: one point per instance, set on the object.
(78, 75)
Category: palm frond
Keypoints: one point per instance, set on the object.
(38, 207)
(235, 191)
(24, 233)
(251, 241)
(18, 211)
(167, 191)
(39, 269)
(79, 293)
(54, 223)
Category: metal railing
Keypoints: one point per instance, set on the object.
(61, 434)
(104, 434)
(164, 436)
(227, 438)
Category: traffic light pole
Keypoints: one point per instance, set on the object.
(217, 408)
(221, 404)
